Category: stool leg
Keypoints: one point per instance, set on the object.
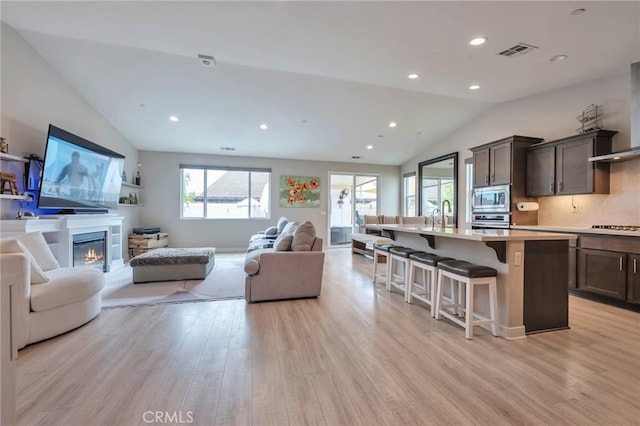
(375, 264)
(389, 271)
(438, 296)
(432, 290)
(493, 298)
(408, 282)
(468, 332)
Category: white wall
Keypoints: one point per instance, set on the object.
(161, 197)
(551, 116)
(34, 95)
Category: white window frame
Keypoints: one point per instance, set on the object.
(248, 170)
(406, 195)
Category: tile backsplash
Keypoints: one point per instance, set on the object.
(620, 207)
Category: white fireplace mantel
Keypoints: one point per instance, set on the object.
(59, 230)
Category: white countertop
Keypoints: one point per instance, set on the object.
(577, 230)
(476, 234)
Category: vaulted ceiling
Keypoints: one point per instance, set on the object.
(326, 77)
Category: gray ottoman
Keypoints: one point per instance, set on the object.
(172, 264)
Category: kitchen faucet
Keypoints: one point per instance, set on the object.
(443, 222)
(433, 216)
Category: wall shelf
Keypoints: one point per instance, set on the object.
(129, 205)
(15, 197)
(131, 185)
(9, 157)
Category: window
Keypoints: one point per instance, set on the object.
(225, 193)
(409, 194)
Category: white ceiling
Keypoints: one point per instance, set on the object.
(341, 66)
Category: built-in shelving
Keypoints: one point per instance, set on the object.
(132, 185)
(9, 157)
(129, 205)
(15, 197)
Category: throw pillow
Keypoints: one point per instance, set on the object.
(303, 237)
(283, 243)
(39, 249)
(272, 230)
(282, 222)
(289, 228)
(11, 245)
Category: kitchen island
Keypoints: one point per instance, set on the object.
(532, 270)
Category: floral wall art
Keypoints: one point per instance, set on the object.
(299, 191)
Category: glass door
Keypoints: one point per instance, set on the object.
(351, 198)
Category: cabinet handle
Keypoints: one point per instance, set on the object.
(620, 258)
(551, 187)
(493, 178)
(486, 179)
(635, 266)
(561, 186)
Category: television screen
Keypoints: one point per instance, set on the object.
(79, 174)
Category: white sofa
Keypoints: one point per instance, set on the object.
(69, 298)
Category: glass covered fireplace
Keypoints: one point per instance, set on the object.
(90, 250)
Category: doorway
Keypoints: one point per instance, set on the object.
(351, 198)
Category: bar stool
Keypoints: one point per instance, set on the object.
(380, 251)
(461, 273)
(398, 257)
(426, 290)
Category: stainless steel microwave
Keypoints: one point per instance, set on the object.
(491, 199)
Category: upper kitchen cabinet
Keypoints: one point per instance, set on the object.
(562, 167)
(500, 162)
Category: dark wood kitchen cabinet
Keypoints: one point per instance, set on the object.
(603, 272)
(500, 162)
(609, 266)
(633, 278)
(562, 167)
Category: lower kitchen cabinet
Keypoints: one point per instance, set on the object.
(603, 272)
(633, 278)
(609, 266)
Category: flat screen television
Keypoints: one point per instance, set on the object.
(79, 175)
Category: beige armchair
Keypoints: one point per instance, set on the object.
(68, 297)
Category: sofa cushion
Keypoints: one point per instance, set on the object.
(12, 245)
(65, 286)
(252, 260)
(303, 237)
(39, 249)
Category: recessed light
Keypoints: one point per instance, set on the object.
(173, 118)
(616, 158)
(264, 126)
(478, 41)
(419, 133)
(578, 11)
(413, 76)
(369, 146)
(393, 124)
(474, 87)
(381, 136)
(142, 105)
(558, 58)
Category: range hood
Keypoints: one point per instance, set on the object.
(634, 151)
(614, 157)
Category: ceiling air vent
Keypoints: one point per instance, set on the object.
(518, 49)
(227, 148)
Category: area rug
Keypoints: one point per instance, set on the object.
(225, 281)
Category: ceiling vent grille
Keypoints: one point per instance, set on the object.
(518, 49)
(227, 148)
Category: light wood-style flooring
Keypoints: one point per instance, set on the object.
(356, 356)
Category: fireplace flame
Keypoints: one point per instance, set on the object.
(92, 256)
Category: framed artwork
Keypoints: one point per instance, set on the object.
(299, 191)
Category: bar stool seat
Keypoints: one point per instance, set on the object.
(399, 257)
(425, 290)
(380, 251)
(463, 275)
